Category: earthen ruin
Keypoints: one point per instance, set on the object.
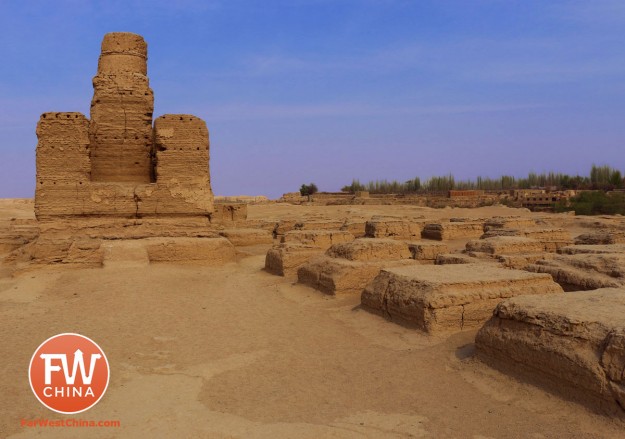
(396, 285)
(117, 164)
(571, 344)
(120, 174)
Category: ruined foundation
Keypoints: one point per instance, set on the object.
(453, 230)
(286, 259)
(572, 344)
(449, 298)
(584, 271)
(394, 228)
(347, 268)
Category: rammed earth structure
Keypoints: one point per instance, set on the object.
(120, 175)
(117, 164)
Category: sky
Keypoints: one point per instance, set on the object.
(325, 91)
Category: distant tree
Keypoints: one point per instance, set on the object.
(616, 180)
(412, 185)
(602, 178)
(354, 187)
(442, 183)
(308, 189)
(605, 177)
(594, 203)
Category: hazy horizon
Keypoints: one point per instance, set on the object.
(327, 91)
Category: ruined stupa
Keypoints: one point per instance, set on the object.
(117, 164)
(117, 175)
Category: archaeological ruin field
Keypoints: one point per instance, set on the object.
(325, 316)
(335, 321)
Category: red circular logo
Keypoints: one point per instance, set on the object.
(69, 373)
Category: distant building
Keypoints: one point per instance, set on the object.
(541, 199)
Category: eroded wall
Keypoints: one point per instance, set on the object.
(63, 165)
(117, 165)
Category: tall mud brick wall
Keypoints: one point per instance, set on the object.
(63, 166)
(181, 159)
(181, 143)
(121, 112)
(117, 165)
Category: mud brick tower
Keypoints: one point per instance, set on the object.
(120, 175)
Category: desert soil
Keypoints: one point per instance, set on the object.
(235, 352)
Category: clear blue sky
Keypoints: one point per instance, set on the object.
(323, 91)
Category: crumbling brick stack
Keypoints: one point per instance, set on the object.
(120, 130)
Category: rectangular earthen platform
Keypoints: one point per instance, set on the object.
(573, 344)
(367, 249)
(583, 271)
(338, 276)
(396, 228)
(285, 259)
(451, 297)
(427, 250)
(317, 238)
(453, 230)
(505, 245)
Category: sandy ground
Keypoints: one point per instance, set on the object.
(234, 352)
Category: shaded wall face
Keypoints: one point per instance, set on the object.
(120, 130)
(181, 149)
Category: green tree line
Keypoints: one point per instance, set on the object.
(600, 178)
